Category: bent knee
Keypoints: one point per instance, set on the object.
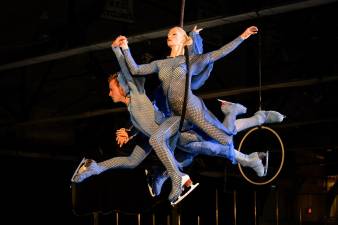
(156, 139)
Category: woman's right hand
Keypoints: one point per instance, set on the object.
(120, 41)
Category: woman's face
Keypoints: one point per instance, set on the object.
(175, 37)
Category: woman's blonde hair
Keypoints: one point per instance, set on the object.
(188, 40)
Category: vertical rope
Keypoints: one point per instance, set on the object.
(260, 70)
(259, 67)
(182, 13)
(187, 80)
(187, 86)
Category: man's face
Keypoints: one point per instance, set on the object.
(175, 37)
(115, 92)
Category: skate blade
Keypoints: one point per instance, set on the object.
(266, 163)
(181, 197)
(149, 187)
(77, 169)
(224, 102)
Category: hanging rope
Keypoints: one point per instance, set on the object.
(187, 80)
(187, 86)
(277, 168)
(260, 70)
(182, 13)
(259, 67)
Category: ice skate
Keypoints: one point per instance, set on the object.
(149, 183)
(155, 183)
(254, 161)
(266, 165)
(269, 117)
(186, 188)
(77, 169)
(86, 168)
(229, 107)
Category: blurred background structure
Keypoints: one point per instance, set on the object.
(54, 109)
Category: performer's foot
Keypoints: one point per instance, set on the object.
(187, 187)
(155, 183)
(229, 107)
(150, 182)
(87, 168)
(254, 161)
(269, 117)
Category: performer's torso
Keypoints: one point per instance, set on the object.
(173, 74)
(142, 112)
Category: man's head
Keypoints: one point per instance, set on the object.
(116, 92)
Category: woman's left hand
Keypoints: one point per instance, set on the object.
(249, 31)
(196, 30)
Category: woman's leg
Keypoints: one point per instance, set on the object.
(159, 142)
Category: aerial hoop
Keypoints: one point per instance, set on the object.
(270, 144)
(276, 153)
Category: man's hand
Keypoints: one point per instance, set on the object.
(122, 136)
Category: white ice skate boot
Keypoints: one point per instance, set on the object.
(254, 161)
(187, 187)
(229, 107)
(86, 168)
(155, 183)
(269, 117)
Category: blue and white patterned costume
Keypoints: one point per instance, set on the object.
(164, 137)
(143, 118)
(172, 73)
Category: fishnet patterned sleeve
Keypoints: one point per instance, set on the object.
(143, 69)
(122, 63)
(225, 50)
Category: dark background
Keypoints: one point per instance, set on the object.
(54, 107)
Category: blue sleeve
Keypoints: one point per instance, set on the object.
(197, 46)
(120, 58)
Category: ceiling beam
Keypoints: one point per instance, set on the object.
(216, 94)
(37, 155)
(211, 22)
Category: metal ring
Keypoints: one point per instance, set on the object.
(282, 152)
